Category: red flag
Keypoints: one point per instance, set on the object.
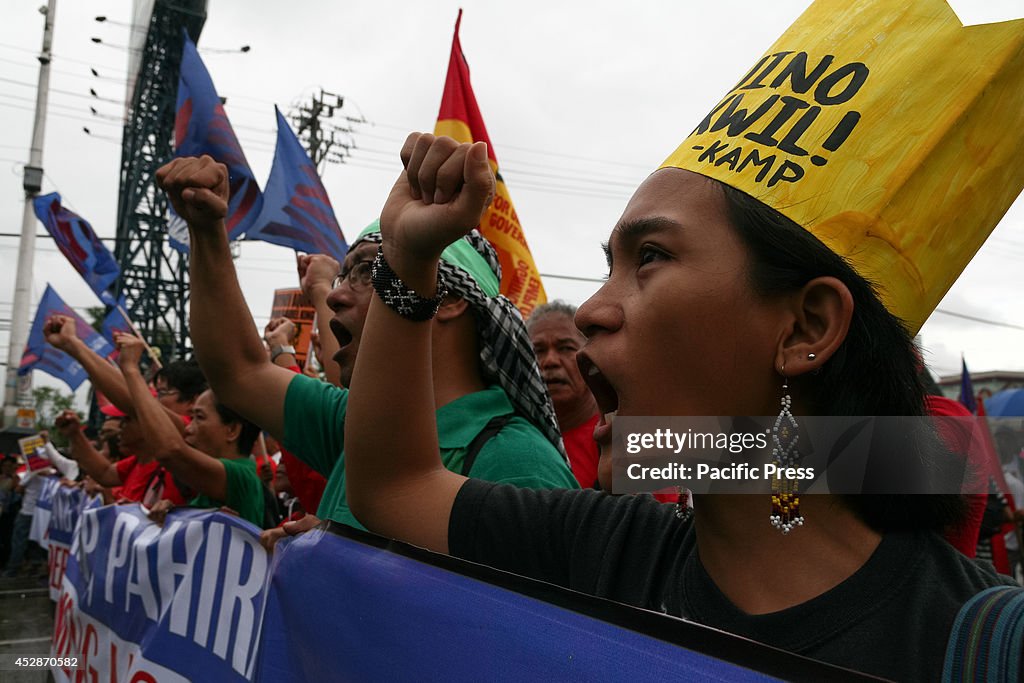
(460, 119)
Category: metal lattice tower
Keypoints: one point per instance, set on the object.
(153, 276)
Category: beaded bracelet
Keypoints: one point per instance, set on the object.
(399, 298)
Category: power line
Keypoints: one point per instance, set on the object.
(995, 323)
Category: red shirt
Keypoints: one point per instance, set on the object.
(583, 452)
(307, 484)
(138, 478)
(964, 536)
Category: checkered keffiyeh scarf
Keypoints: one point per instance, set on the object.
(506, 352)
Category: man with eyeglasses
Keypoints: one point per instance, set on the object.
(487, 386)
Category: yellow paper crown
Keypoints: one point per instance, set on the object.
(887, 129)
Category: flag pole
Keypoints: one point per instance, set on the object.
(149, 349)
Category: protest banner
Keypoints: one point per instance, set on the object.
(141, 602)
(41, 518)
(401, 613)
(66, 507)
(293, 304)
(199, 599)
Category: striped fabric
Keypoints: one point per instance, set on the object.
(987, 639)
(506, 352)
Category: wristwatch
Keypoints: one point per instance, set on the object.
(276, 351)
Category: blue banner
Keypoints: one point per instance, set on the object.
(361, 613)
(78, 242)
(39, 355)
(201, 127)
(141, 602)
(297, 212)
(66, 507)
(200, 600)
(44, 506)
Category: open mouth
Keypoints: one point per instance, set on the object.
(340, 333)
(605, 395)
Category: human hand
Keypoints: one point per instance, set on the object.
(91, 487)
(44, 434)
(438, 198)
(198, 190)
(280, 332)
(270, 537)
(158, 513)
(130, 349)
(68, 424)
(316, 273)
(60, 332)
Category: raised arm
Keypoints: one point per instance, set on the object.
(397, 485)
(89, 459)
(316, 275)
(60, 333)
(227, 344)
(107, 379)
(199, 471)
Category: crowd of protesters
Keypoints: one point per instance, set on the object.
(488, 472)
(443, 419)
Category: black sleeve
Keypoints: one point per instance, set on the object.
(625, 548)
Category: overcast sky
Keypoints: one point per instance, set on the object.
(582, 102)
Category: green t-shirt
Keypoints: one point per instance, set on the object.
(314, 431)
(244, 491)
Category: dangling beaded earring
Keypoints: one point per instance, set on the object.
(683, 508)
(785, 501)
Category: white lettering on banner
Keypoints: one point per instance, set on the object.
(179, 596)
(117, 556)
(208, 588)
(104, 656)
(201, 580)
(62, 514)
(242, 594)
(139, 582)
(83, 543)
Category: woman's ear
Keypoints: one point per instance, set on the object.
(451, 308)
(234, 431)
(822, 312)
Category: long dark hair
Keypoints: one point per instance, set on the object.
(874, 371)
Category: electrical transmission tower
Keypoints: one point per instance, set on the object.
(154, 276)
(325, 141)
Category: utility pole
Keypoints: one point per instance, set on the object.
(320, 139)
(18, 390)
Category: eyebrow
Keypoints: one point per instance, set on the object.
(637, 229)
(370, 256)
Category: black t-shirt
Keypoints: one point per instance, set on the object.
(891, 618)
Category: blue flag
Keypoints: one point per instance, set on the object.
(296, 210)
(202, 127)
(41, 356)
(78, 242)
(115, 322)
(967, 389)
